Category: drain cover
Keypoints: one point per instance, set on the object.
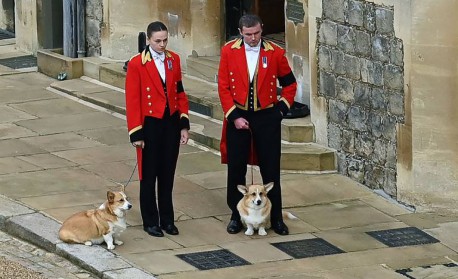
(213, 259)
(403, 237)
(19, 62)
(5, 34)
(306, 248)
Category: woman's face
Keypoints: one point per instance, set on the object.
(158, 41)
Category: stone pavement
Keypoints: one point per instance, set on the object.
(60, 154)
(19, 259)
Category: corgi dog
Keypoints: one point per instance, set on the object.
(99, 225)
(254, 208)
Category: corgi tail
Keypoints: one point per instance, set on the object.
(288, 215)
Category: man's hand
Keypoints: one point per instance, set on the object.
(241, 123)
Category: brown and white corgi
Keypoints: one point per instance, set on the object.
(254, 208)
(96, 226)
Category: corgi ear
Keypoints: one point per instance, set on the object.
(242, 189)
(110, 197)
(269, 186)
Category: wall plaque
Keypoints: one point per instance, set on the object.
(295, 11)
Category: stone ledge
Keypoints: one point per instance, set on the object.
(51, 62)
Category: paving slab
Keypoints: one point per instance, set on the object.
(109, 136)
(8, 113)
(71, 123)
(12, 165)
(342, 215)
(98, 154)
(14, 147)
(9, 208)
(52, 181)
(447, 233)
(12, 131)
(62, 141)
(52, 107)
(47, 161)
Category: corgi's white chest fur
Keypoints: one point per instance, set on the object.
(254, 217)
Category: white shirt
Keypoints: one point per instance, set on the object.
(252, 57)
(159, 61)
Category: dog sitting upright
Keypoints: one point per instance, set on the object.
(98, 225)
(254, 208)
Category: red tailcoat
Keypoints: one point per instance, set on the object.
(145, 94)
(233, 82)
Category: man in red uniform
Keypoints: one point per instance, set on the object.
(157, 121)
(247, 87)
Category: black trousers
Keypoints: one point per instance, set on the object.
(159, 159)
(265, 128)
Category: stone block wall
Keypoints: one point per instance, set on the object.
(361, 77)
(94, 18)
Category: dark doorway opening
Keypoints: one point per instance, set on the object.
(272, 13)
(8, 16)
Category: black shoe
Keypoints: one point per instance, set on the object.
(154, 231)
(170, 229)
(234, 226)
(280, 228)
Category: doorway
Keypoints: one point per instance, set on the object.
(272, 13)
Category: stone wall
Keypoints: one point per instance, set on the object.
(94, 17)
(7, 15)
(361, 77)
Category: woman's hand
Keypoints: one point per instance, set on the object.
(184, 136)
(139, 144)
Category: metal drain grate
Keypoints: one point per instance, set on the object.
(6, 34)
(307, 248)
(19, 62)
(403, 237)
(213, 259)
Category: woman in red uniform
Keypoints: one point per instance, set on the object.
(158, 122)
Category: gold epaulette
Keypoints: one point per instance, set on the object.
(237, 43)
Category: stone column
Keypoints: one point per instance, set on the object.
(26, 25)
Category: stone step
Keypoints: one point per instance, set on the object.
(203, 67)
(204, 129)
(295, 156)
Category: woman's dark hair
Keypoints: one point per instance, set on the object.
(155, 27)
(249, 20)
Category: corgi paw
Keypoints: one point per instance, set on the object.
(118, 242)
(249, 232)
(88, 243)
(110, 246)
(262, 231)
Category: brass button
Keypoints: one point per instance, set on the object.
(150, 112)
(233, 80)
(149, 96)
(231, 73)
(273, 76)
(271, 96)
(234, 93)
(233, 86)
(148, 89)
(271, 83)
(149, 104)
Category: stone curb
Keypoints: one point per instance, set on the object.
(32, 226)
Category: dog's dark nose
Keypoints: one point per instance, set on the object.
(129, 206)
(258, 202)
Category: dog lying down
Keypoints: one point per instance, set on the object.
(96, 226)
(254, 208)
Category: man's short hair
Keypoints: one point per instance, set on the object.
(249, 20)
(155, 26)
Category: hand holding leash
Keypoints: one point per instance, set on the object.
(241, 123)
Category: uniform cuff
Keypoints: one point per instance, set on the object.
(233, 115)
(282, 107)
(184, 123)
(136, 136)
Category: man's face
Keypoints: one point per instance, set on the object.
(251, 35)
(158, 41)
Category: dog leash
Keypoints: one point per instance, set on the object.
(252, 156)
(130, 178)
